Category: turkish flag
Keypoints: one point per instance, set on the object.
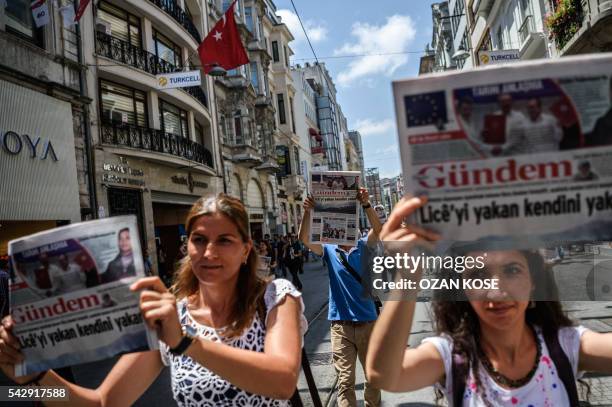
(223, 46)
(81, 10)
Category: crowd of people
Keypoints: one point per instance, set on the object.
(232, 335)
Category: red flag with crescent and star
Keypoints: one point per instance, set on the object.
(223, 46)
(81, 10)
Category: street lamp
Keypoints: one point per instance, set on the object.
(461, 54)
(216, 70)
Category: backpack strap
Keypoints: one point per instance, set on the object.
(563, 365)
(458, 369)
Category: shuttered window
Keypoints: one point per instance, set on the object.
(124, 25)
(173, 119)
(122, 104)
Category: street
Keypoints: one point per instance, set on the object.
(594, 315)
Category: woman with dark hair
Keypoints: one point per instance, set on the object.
(494, 347)
(230, 336)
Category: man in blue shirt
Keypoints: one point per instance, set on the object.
(352, 314)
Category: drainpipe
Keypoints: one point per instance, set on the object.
(87, 140)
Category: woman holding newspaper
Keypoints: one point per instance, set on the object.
(494, 347)
(229, 335)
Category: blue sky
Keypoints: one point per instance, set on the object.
(343, 27)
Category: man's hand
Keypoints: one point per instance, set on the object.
(309, 204)
(363, 196)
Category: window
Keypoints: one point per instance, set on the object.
(296, 155)
(275, 55)
(121, 104)
(248, 19)
(173, 119)
(19, 21)
(238, 128)
(167, 50)
(286, 56)
(500, 38)
(457, 14)
(281, 109)
(292, 115)
(255, 77)
(199, 133)
(123, 25)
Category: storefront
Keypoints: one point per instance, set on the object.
(159, 195)
(39, 188)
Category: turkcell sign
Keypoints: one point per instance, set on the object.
(178, 80)
(498, 57)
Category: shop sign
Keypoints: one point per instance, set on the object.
(282, 159)
(15, 144)
(256, 216)
(189, 181)
(123, 168)
(178, 80)
(498, 57)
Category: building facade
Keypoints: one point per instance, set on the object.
(155, 151)
(45, 160)
(516, 27)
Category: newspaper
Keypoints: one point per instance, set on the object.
(70, 297)
(335, 216)
(523, 150)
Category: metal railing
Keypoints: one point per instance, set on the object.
(527, 28)
(180, 16)
(197, 93)
(144, 138)
(122, 51)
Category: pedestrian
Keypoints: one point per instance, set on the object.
(229, 336)
(493, 347)
(352, 315)
(293, 259)
(282, 257)
(148, 265)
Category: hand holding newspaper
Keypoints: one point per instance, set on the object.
(336, 211)
(70, 298)
(520, 150)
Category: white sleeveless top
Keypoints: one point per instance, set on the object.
(545, 389)
(194, 385)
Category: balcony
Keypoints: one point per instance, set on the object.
(263, 100)
(136, 57)
(180, 16)
(197, 93)
(295, 185)
(244, 152)
(126, 53)
(532, 41)
(526, 29)
(595, 32)
(152, 140)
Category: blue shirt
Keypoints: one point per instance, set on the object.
(347, 299)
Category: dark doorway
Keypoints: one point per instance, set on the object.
(123, 201)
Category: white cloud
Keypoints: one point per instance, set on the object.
(369, 127)
(392, 37)
(316, 30)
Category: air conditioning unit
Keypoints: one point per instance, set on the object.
(103, 26)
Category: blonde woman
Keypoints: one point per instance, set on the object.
(229, 336)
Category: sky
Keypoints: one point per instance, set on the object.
(338, 28)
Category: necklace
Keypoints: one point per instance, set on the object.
(505, 381)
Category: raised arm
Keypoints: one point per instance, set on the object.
(304, 232)
(364, 199)
(124, 384)
(596, 352)
(390, 365)
(272, 373)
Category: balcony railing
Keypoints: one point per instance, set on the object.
(527, 28)
(180, 16)
(143, 138)
(197, 93)
(122, 51)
